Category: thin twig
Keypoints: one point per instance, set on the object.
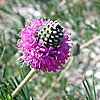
(66, 69)
(46, 94)
(89, 42)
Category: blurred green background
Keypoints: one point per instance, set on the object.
(81, 18)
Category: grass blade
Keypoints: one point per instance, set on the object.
(1, 98)
(93, 87)
(86, 89)
(78, 91)
(4, 93)
(9, 90)
(5, 10)
(22, 71)
(68, 95)
(88, 86)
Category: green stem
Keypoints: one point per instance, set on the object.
(24, 82)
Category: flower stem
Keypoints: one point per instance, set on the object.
(24, 82)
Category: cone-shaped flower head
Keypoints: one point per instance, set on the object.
(43, 45)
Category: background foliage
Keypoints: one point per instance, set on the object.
(81, 18)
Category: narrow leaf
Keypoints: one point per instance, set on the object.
(86, 89)
(5, 10)
(78, 91)
(9, 90)
(93, 87)
(88, 86)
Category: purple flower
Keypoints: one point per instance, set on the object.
(43, 45)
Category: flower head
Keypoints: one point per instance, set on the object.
(43, 45)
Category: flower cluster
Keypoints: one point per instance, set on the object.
(38, 55)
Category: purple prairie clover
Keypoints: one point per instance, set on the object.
(43, 45)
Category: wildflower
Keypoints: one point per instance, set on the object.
(43, 45)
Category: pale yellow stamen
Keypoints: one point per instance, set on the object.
(37, 50)
(22, 48)
(28, 27)
(39, 18)
(45, 17)
(20, 28)
(60, 61)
